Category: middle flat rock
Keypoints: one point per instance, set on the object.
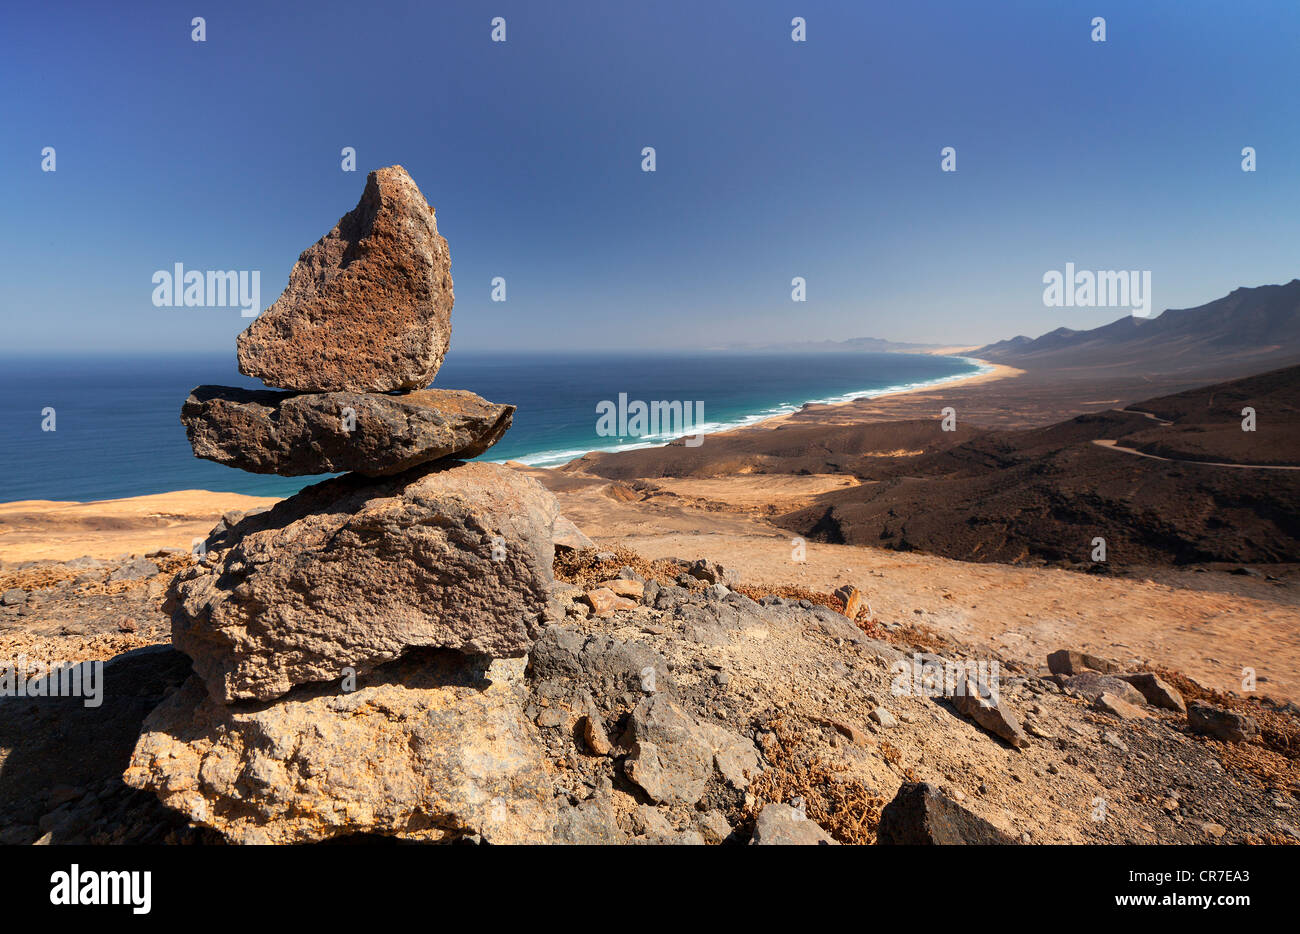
(351, 572)
(328, 432)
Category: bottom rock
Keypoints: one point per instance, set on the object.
(782, 825)
(426, 748)
(921, 814)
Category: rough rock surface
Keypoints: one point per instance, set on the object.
(1116, 707)
(713, 573)
(795, 678)
(427, 748)
(311, 433)
(604, 602)
(673, 756)
(593, 822)
(368, 307)
(351, 572)
(921, 814)
(1157, 691)
(1070, 662)
(569, 536)
(853, 600)
(1227, 725)
(989, 713)
(1091, 685)
(782, 825)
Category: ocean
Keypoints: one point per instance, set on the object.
(117, 429)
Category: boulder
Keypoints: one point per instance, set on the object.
(367, 307)
(921, 814)
(295, 434)
(782, 825)
(568, 537)
(427, 748)
(589, 823)
(594, 735)
(673, 756)
(712, 573)
(713, 826)
(970, 702)
(849, 732)
(853, 600)
(1070, 662)
(628, 589)
(1227, 725)
(134, 570)
(1116, 707)
(604, 602)
(1091, 685)
(352, 572)
(884, 718)
(1157, 691)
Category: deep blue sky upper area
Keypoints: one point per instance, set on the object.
(775, 159)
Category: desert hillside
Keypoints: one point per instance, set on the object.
(1252, 329)
(1170, 480)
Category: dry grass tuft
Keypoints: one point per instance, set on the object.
(36, 578)
(844, 807)
(758, 591)
(47, 578)
(1271, 839)
(584, 569)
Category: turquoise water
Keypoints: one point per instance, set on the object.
(118, 431)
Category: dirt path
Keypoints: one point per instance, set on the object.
(1155, 418)
(1116, 446)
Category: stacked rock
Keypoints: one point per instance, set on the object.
(366, 609)
(367, 312)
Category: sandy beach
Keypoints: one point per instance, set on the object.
(53, 530)
(994, 373)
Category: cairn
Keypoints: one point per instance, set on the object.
(357, 647)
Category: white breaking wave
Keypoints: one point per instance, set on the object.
(558, 458)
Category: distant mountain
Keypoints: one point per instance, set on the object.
(1253, 328)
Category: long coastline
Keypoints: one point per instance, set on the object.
(33, 530)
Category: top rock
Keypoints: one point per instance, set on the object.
(368, 307)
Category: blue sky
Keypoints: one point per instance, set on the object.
(775, 159)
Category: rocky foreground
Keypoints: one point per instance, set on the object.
(659, 703)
